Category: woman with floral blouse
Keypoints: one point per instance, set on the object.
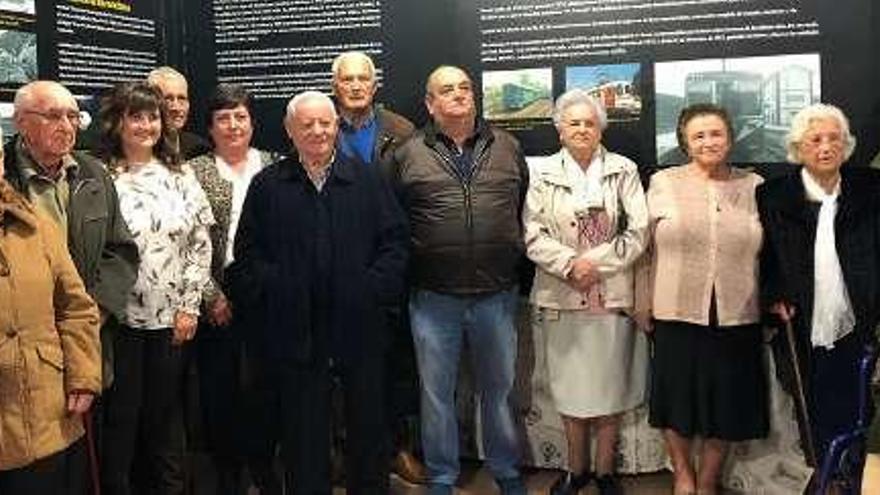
(169, 218)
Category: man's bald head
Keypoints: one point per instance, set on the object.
(47, 118)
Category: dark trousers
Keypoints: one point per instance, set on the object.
(304, 391)
(143, 415)
(239, 410)
(402, 381)
(834, 390)
(220, 396)
(62, 473)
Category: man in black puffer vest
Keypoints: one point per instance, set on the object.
(462, 184)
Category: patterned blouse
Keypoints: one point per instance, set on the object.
(169, 218)
(594, 228)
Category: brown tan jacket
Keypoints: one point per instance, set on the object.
(48, 336)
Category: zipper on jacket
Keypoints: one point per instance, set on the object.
(479, 158)
(465, 184)
(469, 214)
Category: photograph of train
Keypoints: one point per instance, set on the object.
(762, 94)
(522, 94)
(23, 6)
(18, 57)
(617, 86)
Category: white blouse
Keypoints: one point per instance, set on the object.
(586, 185)
(240, 181)
(169, 217)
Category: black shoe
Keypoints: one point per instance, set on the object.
(570, 484)
(608, 484)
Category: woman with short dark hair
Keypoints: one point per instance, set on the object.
(708, 377)
(169, 217)
(237, 414)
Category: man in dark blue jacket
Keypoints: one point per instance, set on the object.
(321, 250)
(370, 133)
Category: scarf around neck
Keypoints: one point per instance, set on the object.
(833, 316)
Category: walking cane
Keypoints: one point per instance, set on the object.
(93, 456)
(800, 399)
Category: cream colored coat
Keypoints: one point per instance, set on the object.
(48, 336)
(552, 232)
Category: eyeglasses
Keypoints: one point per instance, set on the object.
(56, 116)
(815, 140)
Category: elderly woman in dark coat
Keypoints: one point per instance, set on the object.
(821, 268)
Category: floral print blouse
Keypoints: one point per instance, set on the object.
(169, 217)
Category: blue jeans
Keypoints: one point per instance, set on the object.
(439, 324)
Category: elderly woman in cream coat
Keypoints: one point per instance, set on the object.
(586, 224)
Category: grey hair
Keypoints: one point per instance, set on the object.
(352, 55)
(24, 96)
(306, 96)
(578, 96)
(800, 124)
(164, 73)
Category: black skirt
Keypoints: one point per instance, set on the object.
(709, 381)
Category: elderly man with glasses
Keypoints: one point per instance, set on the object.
(74, 190)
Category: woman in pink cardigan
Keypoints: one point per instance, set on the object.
(708, 376)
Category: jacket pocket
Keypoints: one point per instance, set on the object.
(46, 380)
(619, 291)
(97, 216)
(51, 356)
(87, 247)
(10, 368)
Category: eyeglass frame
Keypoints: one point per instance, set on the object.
(55, 116)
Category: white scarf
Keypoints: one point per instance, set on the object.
(833, 316)
(586, 185)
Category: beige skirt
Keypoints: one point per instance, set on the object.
(597, 363)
